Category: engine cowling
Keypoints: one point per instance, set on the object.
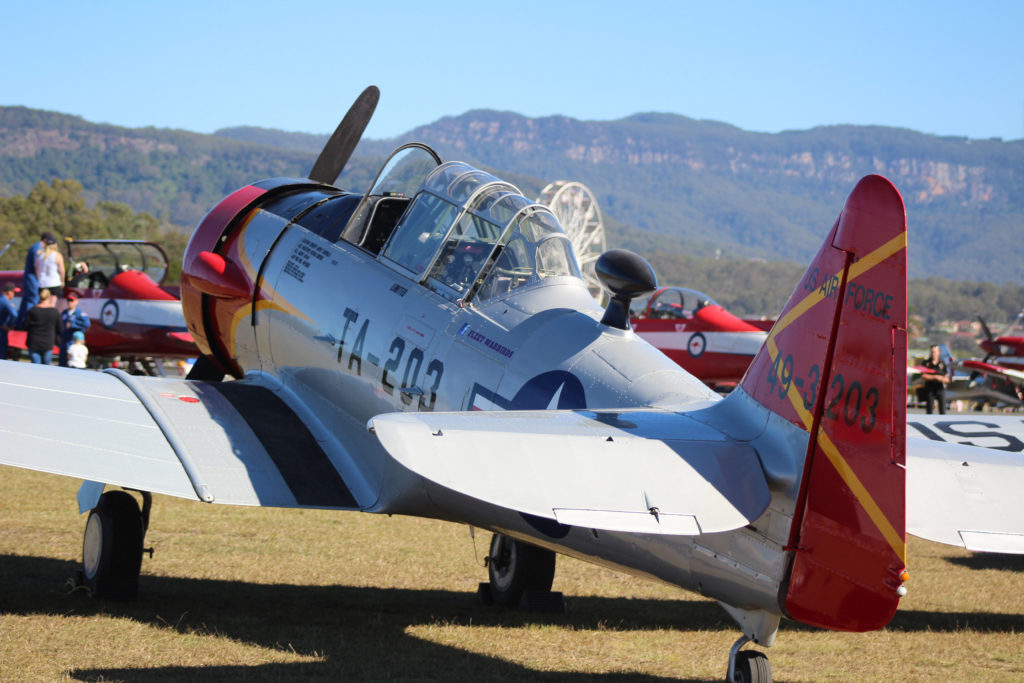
(221, 272)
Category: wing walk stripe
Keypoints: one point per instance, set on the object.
(831, 451)
(303, 464)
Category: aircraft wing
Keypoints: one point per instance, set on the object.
(992, 370)
(965, 495)
(231, 442)
(634, 471)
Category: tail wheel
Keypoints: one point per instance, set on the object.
(112, 548)
(515, 567)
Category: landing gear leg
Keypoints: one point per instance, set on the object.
(516, 568)
(748, 666)
(112, 547)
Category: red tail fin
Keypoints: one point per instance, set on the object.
(833, 365)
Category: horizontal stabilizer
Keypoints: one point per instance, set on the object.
(641, 472)
(966, 496)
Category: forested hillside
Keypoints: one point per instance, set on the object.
(172, 174)
(701, 187)
(713, 186)
(60, 207)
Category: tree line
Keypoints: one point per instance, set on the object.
(60, 207)
(747, 287)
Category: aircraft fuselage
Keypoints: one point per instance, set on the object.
(347, 334)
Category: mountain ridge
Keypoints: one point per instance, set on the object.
(663, 180)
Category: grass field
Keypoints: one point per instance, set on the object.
(264, 594)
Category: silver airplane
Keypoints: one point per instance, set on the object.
(429, 348)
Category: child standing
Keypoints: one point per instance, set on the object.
(78, 352)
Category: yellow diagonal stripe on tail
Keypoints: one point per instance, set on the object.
(831, 451)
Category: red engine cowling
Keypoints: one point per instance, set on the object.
(201, 279)
(220, 274)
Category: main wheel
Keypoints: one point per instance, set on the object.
(752, 667)
(515, 567)
(112, 548)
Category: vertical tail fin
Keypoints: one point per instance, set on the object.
(833, 365)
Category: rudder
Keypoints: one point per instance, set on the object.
(833, 365)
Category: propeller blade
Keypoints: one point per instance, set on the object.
(339, 148)
(984, 328)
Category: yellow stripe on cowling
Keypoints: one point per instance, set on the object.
(269, 302)
(831, 451)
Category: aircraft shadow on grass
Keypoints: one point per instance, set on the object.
(354, 628)
(989, 561)
(359, 632)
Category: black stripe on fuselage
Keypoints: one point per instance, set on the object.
(305, 467)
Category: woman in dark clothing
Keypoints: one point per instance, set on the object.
(42, 324)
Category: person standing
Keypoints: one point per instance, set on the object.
(77, 351)
(72, 320)
(935, 381)
(8, 316)
(50, 269)
(29, 281)
(42, 324)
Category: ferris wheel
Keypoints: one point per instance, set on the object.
(577, 210)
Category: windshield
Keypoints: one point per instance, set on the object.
(375, 217)
(462, 220)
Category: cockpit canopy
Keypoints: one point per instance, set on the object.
(453, 228)
(467, 234)
(94, 263)
(670, 303)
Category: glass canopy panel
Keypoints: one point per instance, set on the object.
(500, 207)
(540, 224)
(669, 305)
(466, 226)
(465, 252)
(472, 239)
(466, 185)
(445, 174)
(421, 231)
(403, 174)
(536, 249)
(555, 258)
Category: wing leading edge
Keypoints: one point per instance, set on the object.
(234, 442)
(642, 472)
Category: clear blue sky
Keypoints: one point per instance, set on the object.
(949, 68)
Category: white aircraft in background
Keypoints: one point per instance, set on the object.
(428, 348)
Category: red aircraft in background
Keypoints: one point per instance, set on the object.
(1006, 350)
(1003, 365)
(696, 332)
(120, 287)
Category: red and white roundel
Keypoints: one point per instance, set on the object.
(109, 314)
(696, 345)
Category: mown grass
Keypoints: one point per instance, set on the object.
(263, 594)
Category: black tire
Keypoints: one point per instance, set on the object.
(752, 667)
(515, 567)
(112, 547)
